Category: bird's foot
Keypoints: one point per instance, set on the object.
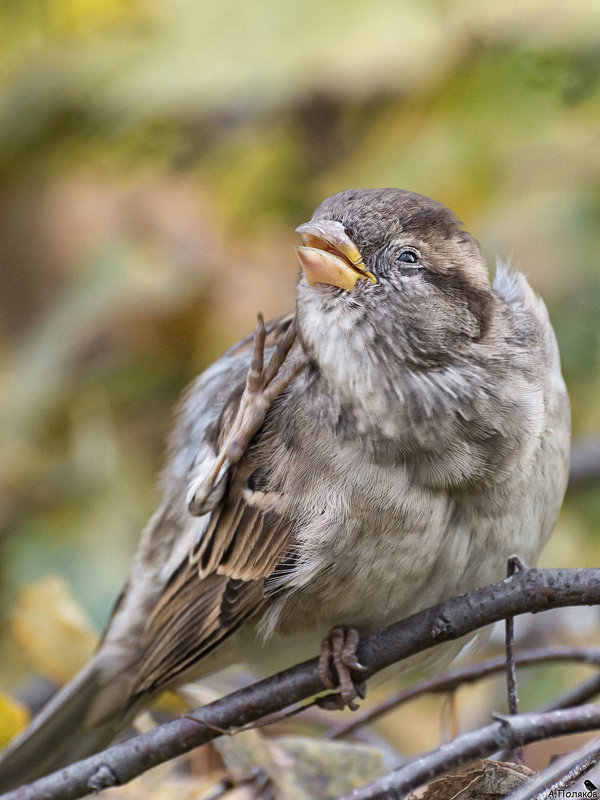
(337, 662)
(263, 385)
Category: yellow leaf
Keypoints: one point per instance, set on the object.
(52, 628)
(13, 717)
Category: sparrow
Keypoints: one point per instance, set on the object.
(389, 444)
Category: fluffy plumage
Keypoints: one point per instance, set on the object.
(423, 440)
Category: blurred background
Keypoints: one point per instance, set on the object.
(155, 159)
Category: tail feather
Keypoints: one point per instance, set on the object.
(58, 736)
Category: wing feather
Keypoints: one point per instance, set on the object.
(221, 582)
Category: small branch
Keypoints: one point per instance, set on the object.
(507, 733)
(514, 565)
(530, 590)
(568, 769)
(455, 678)
(511, 674)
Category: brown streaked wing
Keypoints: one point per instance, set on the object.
(204, 612)
(221, 584)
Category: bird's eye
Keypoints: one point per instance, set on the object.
(408, 257)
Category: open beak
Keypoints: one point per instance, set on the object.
(328, 255)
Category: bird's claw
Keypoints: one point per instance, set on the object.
(337, 662)
(263, 385)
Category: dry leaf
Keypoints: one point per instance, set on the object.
(492, 780)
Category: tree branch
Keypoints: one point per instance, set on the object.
(530, 590)
(506, 734)
(561, 773)
(453, 679)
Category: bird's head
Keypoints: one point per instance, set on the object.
(392, 274)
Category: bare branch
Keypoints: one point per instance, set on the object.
(506, 734)
(514, 565)
(568, 768)
(529, 590)
(472, 673)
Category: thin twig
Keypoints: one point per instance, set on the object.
(470, 674)
(569, 768)
(507, 732)
(514, 565)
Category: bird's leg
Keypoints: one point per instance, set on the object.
(263, 385)
(337, 661)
